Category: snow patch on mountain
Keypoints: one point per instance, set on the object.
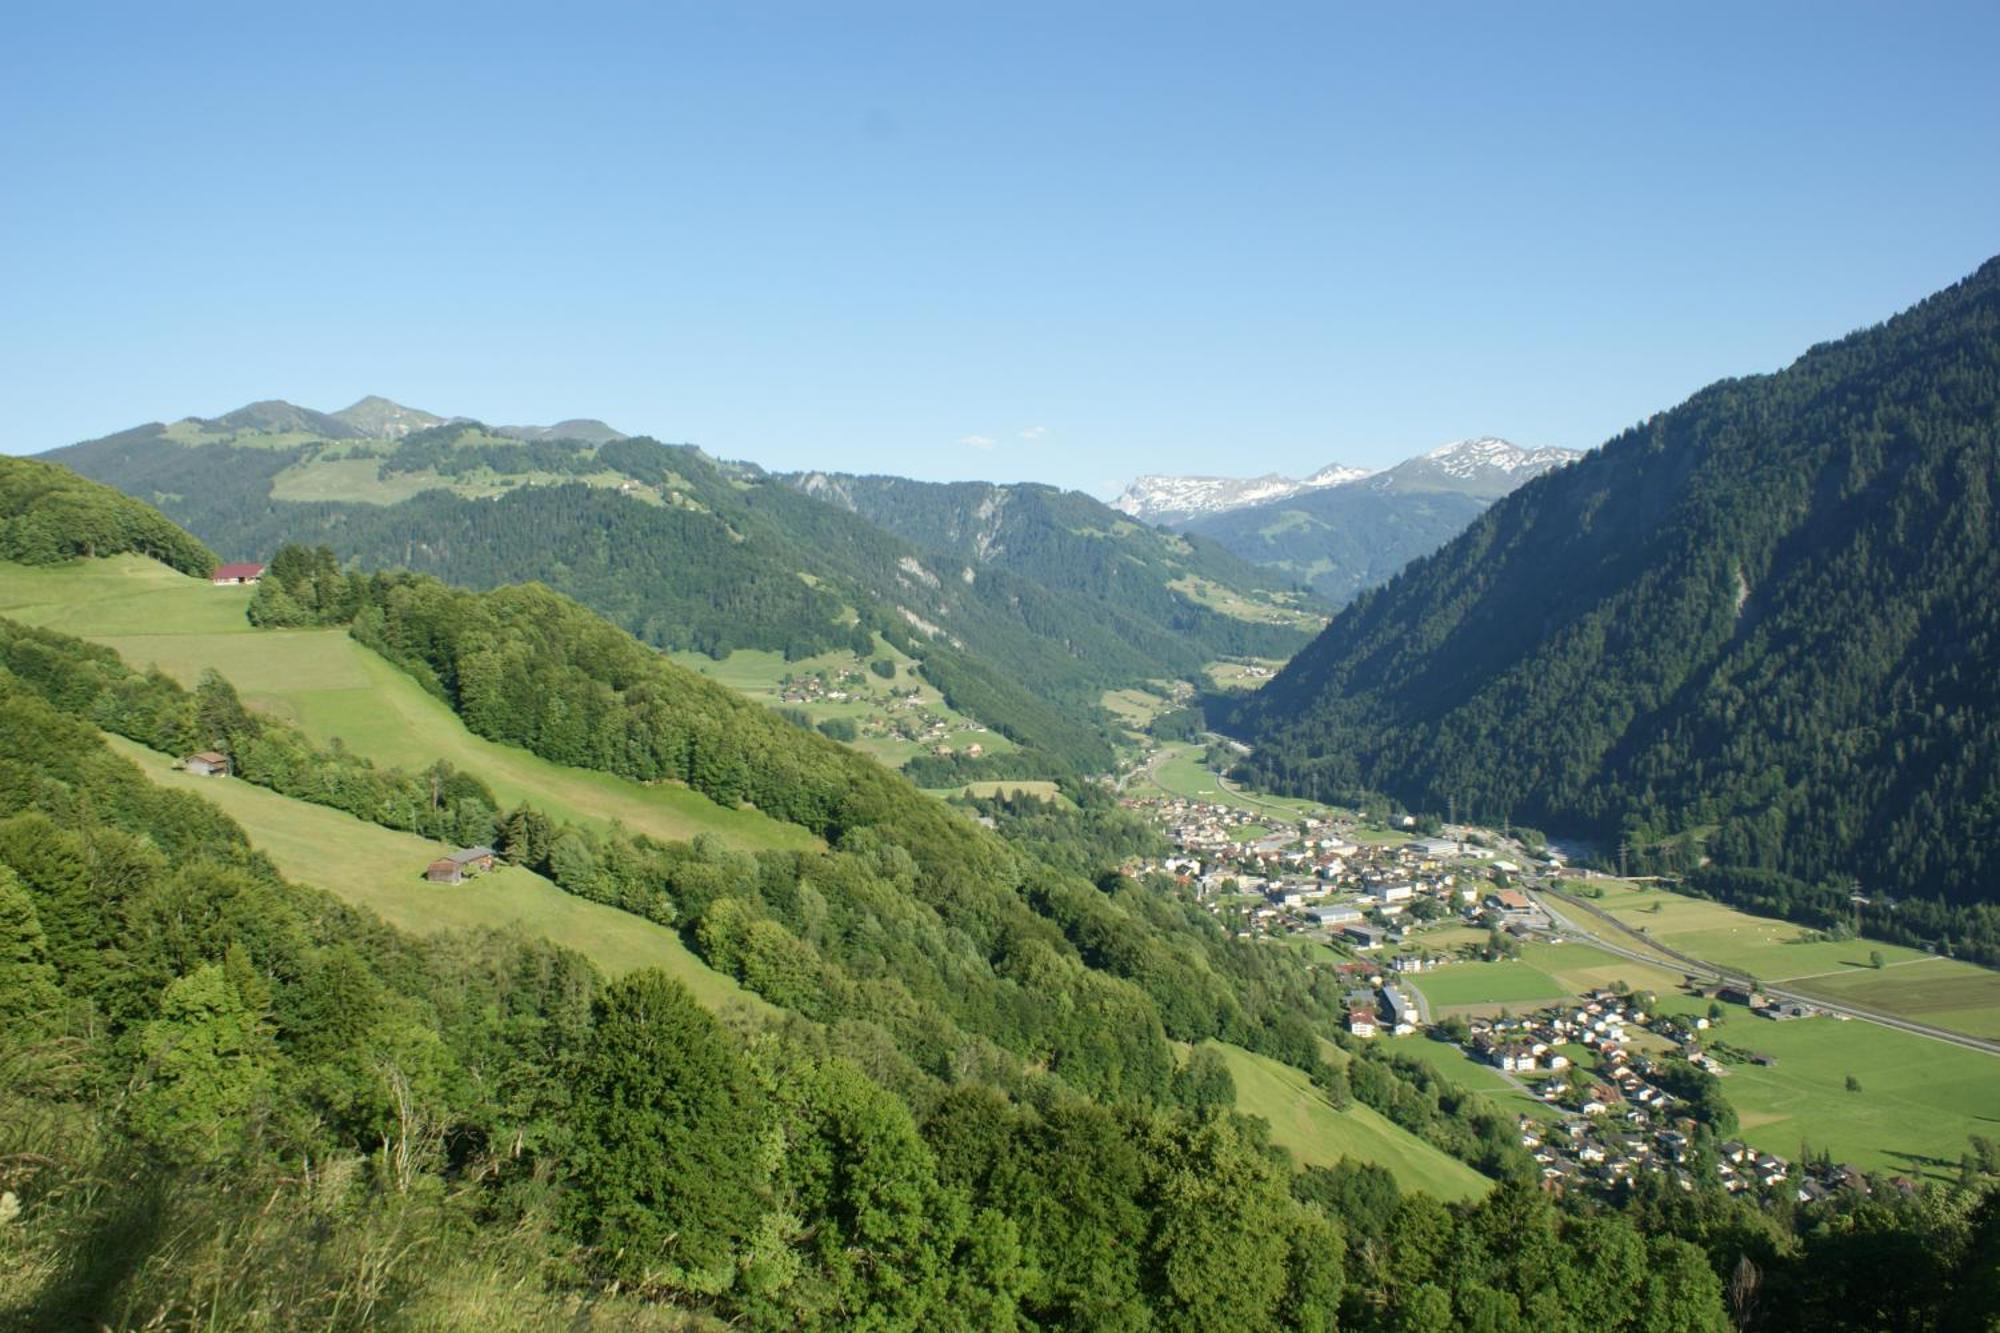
(1166, 499)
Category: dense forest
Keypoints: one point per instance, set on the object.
(1758, 629)
(49, 514)
(713, 557)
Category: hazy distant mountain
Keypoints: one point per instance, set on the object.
(383, 420)
(588, 429)
(275, 416)
(1344, 530)
(1176, 500)
(1343, 540)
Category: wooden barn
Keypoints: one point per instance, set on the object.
(460, 865)
(208, 764)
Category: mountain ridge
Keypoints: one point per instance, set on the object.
(1484, 465)
(1756, 629)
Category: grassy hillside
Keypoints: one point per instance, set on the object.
(1303, 1121)
(382, 870)
(333, 687)
(896, 718)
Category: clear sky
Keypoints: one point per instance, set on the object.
(1070, 242)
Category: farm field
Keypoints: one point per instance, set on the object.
(1920, 1099)
(1136, 709)
(1911, 983)
(1580, 967)
(382, 870)
(1768, 949)
(333, 687)
(1180, 770)
(1942, 991)
(122, 594)
(1040, 788)
(1303, 1121)
(1242, 675)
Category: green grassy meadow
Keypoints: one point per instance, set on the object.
(1944, 991)
(1766, 948)
(334, 688)
(1304, 1122)
(1461, 985)
(756, 673)
(383, 870)
(1911, 983)
(1920, 1099)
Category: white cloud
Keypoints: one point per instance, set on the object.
(1033, 433)
(977, 442)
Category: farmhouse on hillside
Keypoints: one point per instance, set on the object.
(208, 764)
(460, 864)
(227, 576)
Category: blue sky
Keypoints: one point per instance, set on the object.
(1069, 242)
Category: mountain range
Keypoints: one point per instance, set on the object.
(1343, 530)
(1757, 632)
(1023, 625)
(371, 418)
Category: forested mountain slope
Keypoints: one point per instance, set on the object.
(1341, 540)
(691, 553)
(49, 514)
(1764, 620)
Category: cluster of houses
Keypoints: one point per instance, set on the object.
(905, 716)
(1615, 1120)
(1312, 880)
(1383, 1008)
(816, 688)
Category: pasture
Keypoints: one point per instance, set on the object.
(872, 706)
(382, 870)
(1762, 947)
(1942, 991)
(1305, 1123)
(1911, 984)
(1920, 1099)
(334, 688)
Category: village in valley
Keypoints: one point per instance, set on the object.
(1612, 1086)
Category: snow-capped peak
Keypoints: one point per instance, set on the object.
(1167, 499)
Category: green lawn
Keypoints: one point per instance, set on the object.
(382, 870)
(333, 687)
(1303, 1121)
(1461, 984)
